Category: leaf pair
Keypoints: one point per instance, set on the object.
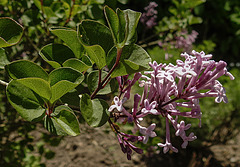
(96, 39)
(72, 55)
(10, 34)
(62, 122)
(49, 86)
(123, 25)
(37, 83)
(101, 42)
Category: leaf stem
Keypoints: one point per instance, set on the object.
(104, 82)
(112, 125)
(3, 83)
(44, 19)
(70, 13)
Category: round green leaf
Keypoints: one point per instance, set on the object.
(38, 85)
(27, 103)
(56, 54)
(95, 112)
(69, 36)
(63, 80)
(94, 33)
(77, 64)
(10, 32)
(67, 74)
(97, 55)
(24, 69)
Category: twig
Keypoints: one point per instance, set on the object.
(3, 83)
(44, 19)
(107, 78)
(150, 43)
(70, 13)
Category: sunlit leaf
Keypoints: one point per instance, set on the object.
(24, 69)
(78, 64)
(27, 103)
(63, 80)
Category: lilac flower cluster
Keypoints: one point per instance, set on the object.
(185, 40)
(149, 17)
(188, 80)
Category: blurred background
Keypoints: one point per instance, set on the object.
(166, 29)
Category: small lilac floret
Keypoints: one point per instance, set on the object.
(181, 128)
(117, 104)
(149, 108)
(148, 132)
(167, 146)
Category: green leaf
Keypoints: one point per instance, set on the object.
(63, 80)
(27, 103)
(24, 69)
(95, 112)
(3, 2)
(97, 55)
(10, 32)
(78, 64)
(128, 21)
(94, 33)
(56, 54)
(64, 122)
(3, 58)
(133, 59)
(113, 22)
(123, 27)
(194, 20)
(69, 36)
(92, 81)
(132, 25)
(193, 3)
(38, 85)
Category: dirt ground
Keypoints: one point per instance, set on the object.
(98, 147)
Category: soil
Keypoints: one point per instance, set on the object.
(98, 147)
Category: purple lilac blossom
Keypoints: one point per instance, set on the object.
(184, 40)
(149, 17)
(188, 80)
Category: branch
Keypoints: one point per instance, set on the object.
(108, 77)
(70, 13)
(3, 83)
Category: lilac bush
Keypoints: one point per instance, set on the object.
(168, 88)
(149, 17)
